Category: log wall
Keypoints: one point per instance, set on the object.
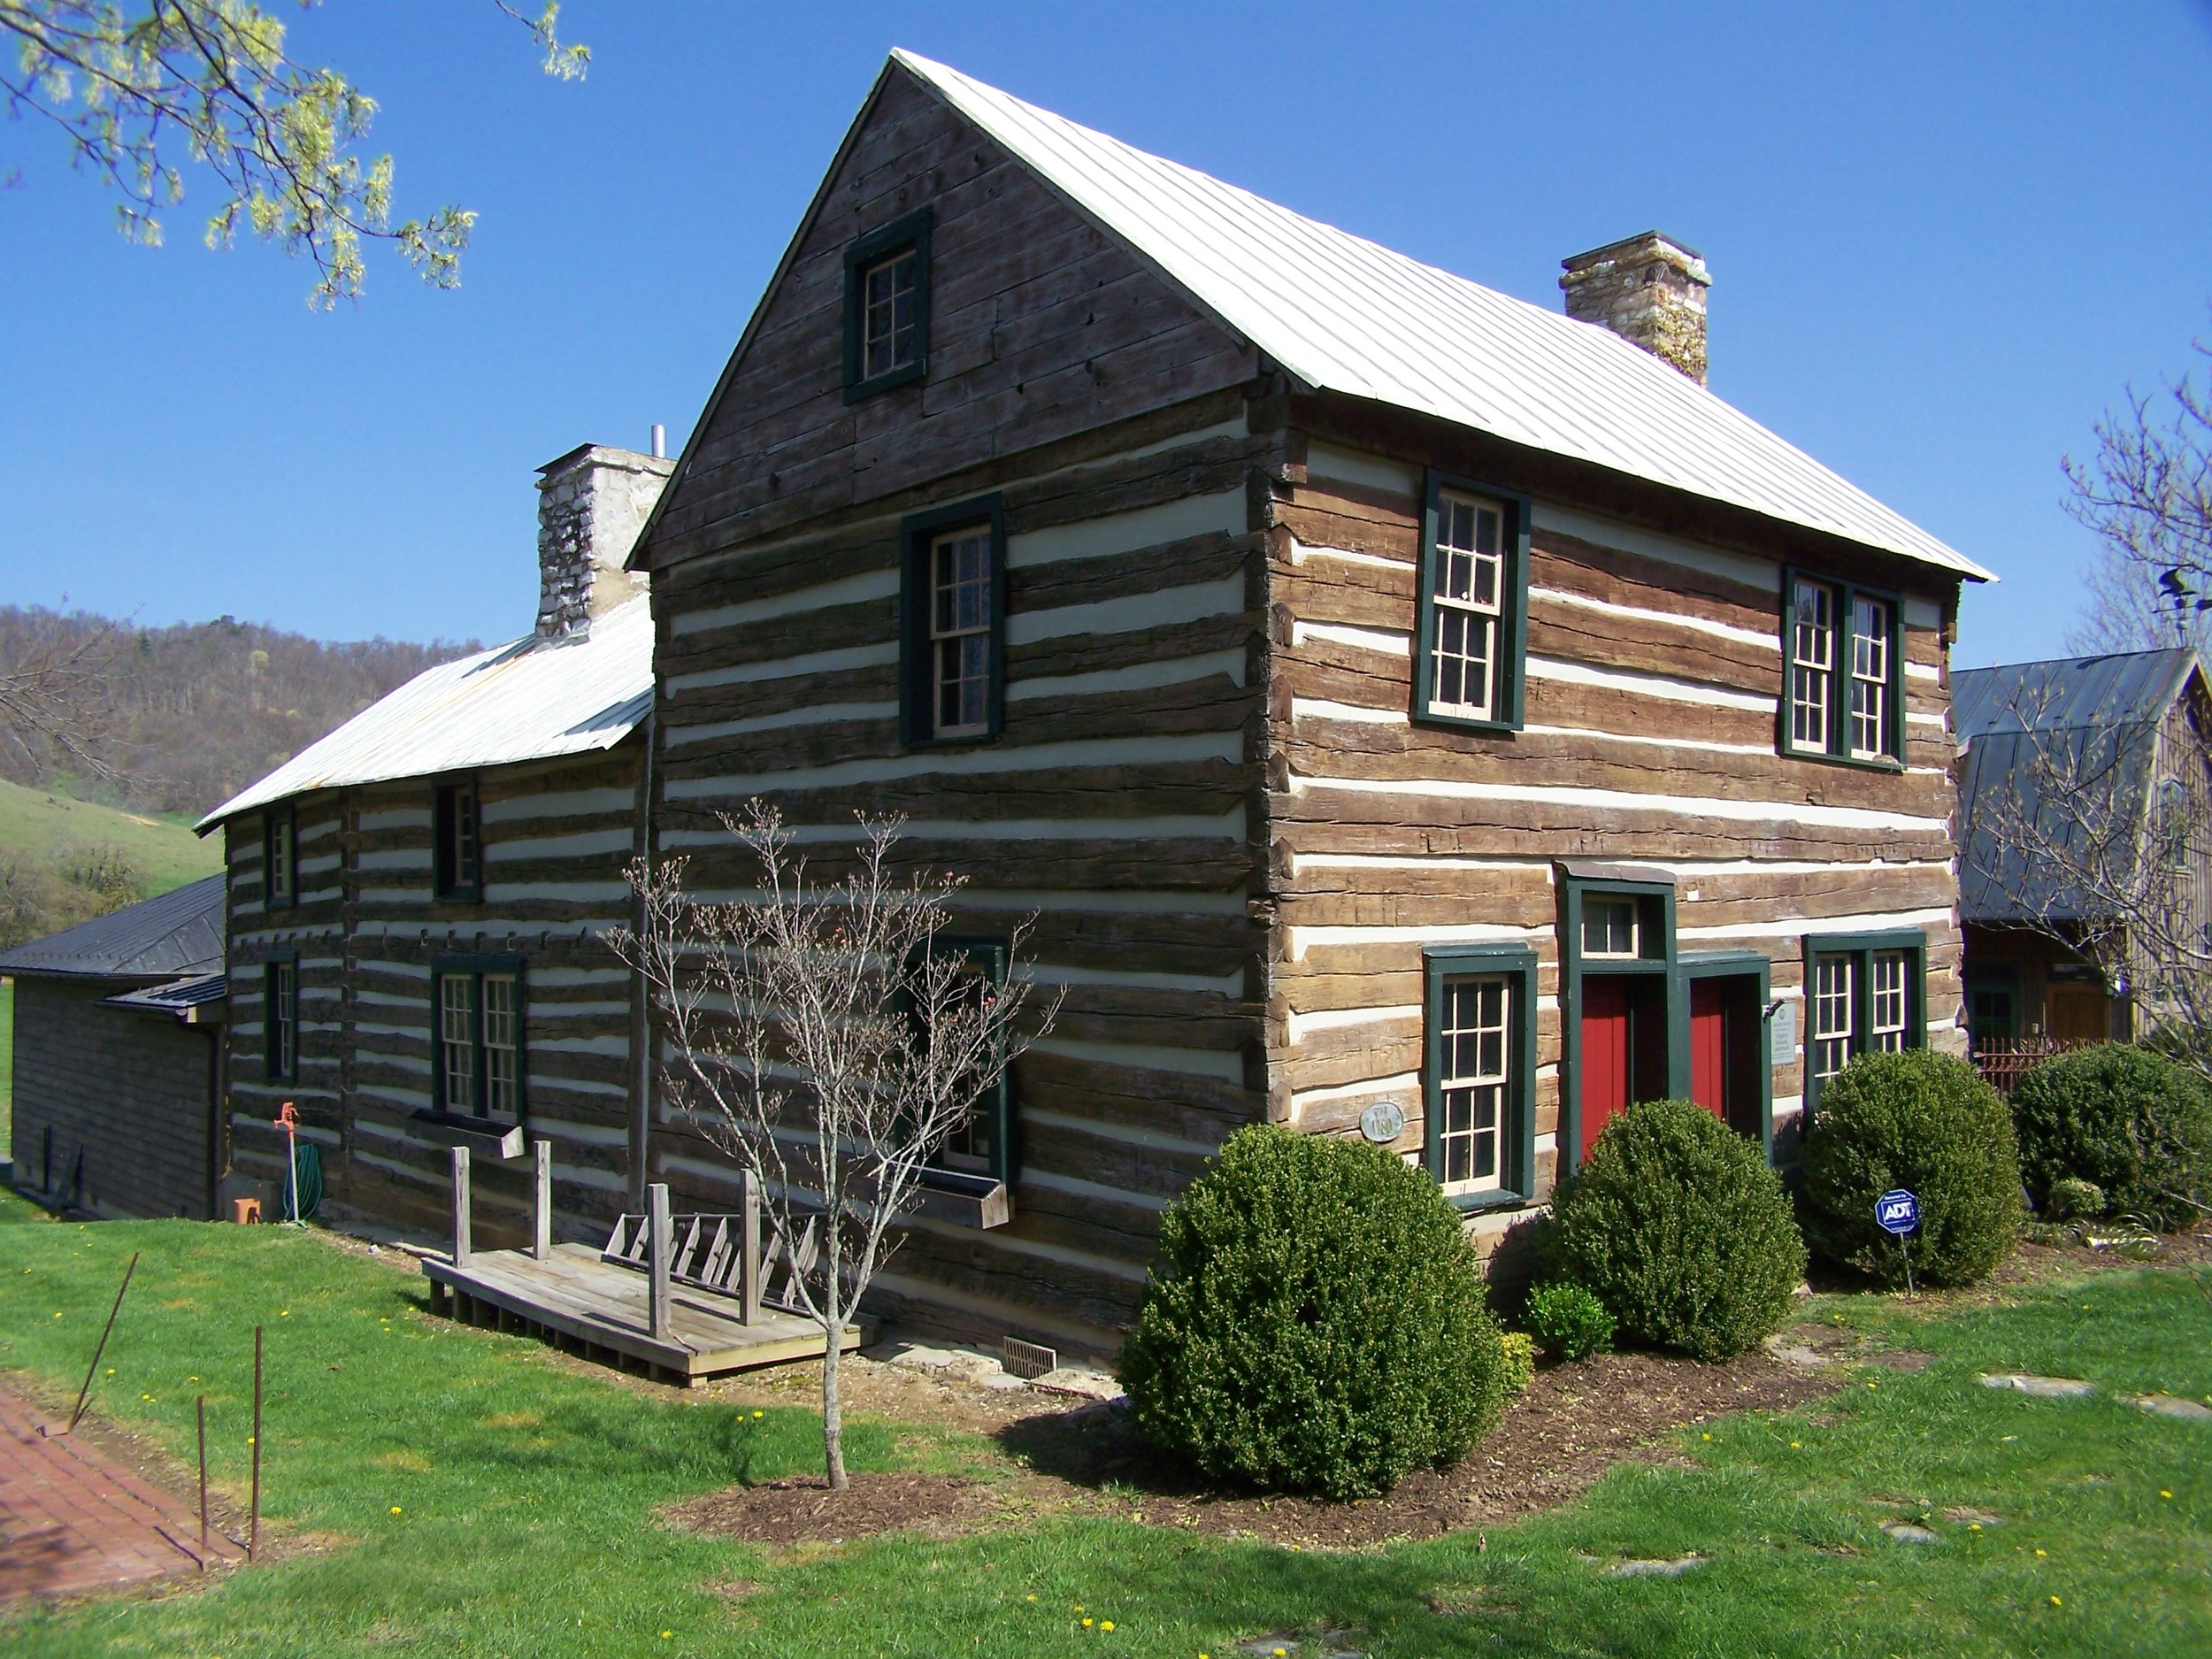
(367, 931)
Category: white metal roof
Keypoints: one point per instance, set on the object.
(531, 700)
(1345, 315)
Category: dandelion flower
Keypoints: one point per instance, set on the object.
(760, 1414)
(284, 1313)
(666, 1634)
(1087, 1623)
(1705, 1437)
(1029, 1598)
(2056, 1602)
(1794, 1445)
(2039, 1552)
(1078, 1607)
(1873, 1385)
(2163, 1493)
(1973, 1526)
(110, 1370)
(395, 1509)
(1107, 1624)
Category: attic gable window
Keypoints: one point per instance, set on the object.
(886, 307)
(1472, 607)
(1846, 693)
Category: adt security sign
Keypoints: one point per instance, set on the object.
(1898, 1212)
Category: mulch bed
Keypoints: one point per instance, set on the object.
(783, 1513)
(1555, 1440)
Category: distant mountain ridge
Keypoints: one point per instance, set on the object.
(202, 708)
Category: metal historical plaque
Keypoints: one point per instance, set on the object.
(1383, 1121)
(1782, 1034)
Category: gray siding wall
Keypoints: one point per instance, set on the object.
(125, 1098)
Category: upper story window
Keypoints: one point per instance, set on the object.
(1472, 606)
(1846, 696)
(886, 307)
(457, 856)
(279, 856)
(953, 604)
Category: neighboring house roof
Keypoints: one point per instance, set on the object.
(183, 998)
(2087, 717)
(531, 700)
(1345, 315)
(181, 932)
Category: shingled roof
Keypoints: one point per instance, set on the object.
(1343, 314)
(177, 935)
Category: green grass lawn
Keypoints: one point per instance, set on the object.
(38, 823)
(449, 1491)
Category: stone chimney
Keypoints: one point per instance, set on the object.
(1649, 289)
(592, 503)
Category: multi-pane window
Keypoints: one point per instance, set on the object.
(890, 314)
(458, 861)
(280, 858)
(280, 1021)
(982, 1144)
(960, 631)
(1475, 1050)
(1466, 590)
(479, 1042)
(886, 307)
(1890, 1001)
(1844, 694)
(1812, 665)
(1865, 997)
(1609, 927)
(1870, 678)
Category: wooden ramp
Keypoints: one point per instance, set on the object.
(587, 1306)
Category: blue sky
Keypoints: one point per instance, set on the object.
(1943, 239)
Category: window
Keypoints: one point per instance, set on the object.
(984, 1143)
(886, 307)
(1471, 606)
(1477, 1083)
(1867, 996)
(280, 1021)
(1846, 697)
(1609, 927)
(953, 606)
(279, 855)
(457, 859)
(960, 630)
(479, 1007)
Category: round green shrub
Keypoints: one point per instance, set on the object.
(1315, 1322)
(2073, 1198)
(1925, 1122)
(1568, 1321)
(1678, 1225)
(1519, 1350)
(2131, 1121)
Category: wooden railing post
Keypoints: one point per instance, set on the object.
(542, 1247)
(660, 1245)
(749, 1247)
(460, 1206)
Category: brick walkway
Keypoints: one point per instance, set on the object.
(73, 1521)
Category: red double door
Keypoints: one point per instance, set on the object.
(1623, 1054)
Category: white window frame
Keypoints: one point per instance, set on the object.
(1476, 1082)
(1468, 611)
(964, 642)
(1610, 904)
(1889, 1000)
(1871, 676)
(1812, 665)
(1832, 998)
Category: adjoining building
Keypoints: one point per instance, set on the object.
(118, 1073)
(417, 902)
(2119, 733)
(1408, 712)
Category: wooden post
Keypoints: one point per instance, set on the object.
(749, 1244)
(202, 1408)
(460, 1206)
(253, 1524)
(543, 1151)
(660, 1244)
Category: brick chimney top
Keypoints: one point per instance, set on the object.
(592, 503)
(1649, 289)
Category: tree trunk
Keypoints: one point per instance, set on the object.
(832, 1408)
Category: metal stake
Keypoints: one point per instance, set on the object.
(202, 1405)
(253, 1535)
(91, 1370)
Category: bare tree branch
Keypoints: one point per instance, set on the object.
(833, 1038)
(58, 697)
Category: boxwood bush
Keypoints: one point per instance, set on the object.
(2128, 1120)
(1679, 1227)
(1568, 1321)
(1315, 1321)
(1927, 1122)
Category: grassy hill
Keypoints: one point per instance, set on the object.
(40, 827)
(41, 835)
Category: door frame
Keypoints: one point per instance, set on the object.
(1654, 959)
(1724, 964)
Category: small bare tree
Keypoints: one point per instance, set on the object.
(831, 1039)
(58, 697)
(2146, 495)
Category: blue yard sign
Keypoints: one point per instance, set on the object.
(1898, 1212)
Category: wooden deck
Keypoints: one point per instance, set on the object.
(587, 1306)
